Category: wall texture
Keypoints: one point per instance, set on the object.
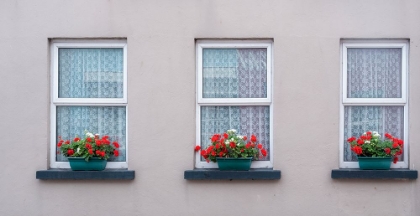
(161, 105)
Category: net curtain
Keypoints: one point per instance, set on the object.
(91, 73)
(235, 73)
(373, 73)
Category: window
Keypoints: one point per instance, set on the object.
(234, 92)
(89, 92)
(374, 95)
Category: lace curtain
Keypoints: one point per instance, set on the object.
(91, 73)
(235, 73)
(373, 73)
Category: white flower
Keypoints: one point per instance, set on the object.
(231, 131)
(367, 141)
(78, 149)
(90, 135)
(240, 137)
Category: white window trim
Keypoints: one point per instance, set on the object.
(56, 101)
(403, 101)
(200, 45)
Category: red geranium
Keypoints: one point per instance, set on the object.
(232, 145)
(369, 144)
(84, 147)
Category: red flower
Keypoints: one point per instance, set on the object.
(387, 135)
(248, 145)
(259, 146)
(217, 146)
(264, 152)
(225, 135)
(88, 139)
(213, 153)
(360, 142)
(70, 152)
(387, 150)
(369, 133)
(67, 142)
(351, 139)
(105, 137)
(399, 152)
(97, 152)
(76, 139)
(221, 154)
(60, 143)
(116, 144)
(232, 144)
(215, 137)
(244, 138)
(395, 145)
(253, 138)
(358, 150)
(98, 142)
(197, 148)
(395, 159)
(203, 152)
(90, 151)
(88, 146)
(116, 153)
(400, 142)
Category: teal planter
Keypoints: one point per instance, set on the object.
(375, 163)
(242, 164)
(80, 164)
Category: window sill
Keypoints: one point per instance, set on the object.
(68, 174)
(374, 174)
(215, 174)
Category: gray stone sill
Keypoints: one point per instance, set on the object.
(374, 174)
(68, 174)
(215, 174)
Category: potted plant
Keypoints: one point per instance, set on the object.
(232, 151)
(375, 153)
(88, 153)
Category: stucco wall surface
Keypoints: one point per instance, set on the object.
(161, 105)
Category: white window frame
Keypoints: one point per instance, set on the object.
(200, 45)
(403, 101)
(56, 101)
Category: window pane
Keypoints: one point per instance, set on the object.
(234, 73)
(374, 73)
(111, 121)
(247, 120)
(90, 73)
(359, 119)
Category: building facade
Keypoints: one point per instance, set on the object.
(303, 75)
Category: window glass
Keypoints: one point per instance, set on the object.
(247, 120)
(234, 73)
(383, 119)
(106, 120)
(374, 73)
(90, 73)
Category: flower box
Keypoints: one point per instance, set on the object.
(243, 164)
(374, 163)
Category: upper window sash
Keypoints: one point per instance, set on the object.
(234, 45)
(84, 45)
(376, 101)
